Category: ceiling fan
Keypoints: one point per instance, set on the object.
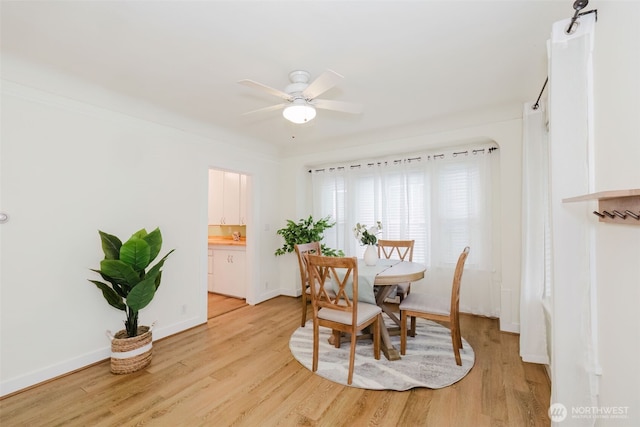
(301, 96)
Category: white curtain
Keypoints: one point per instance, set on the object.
(574, 364)
(442, 201)
(535, 235)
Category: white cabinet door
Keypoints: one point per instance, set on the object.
(216, 197)
(231, 203)
(229, 272)
(227, 200)
(243, 199)
(210, 271)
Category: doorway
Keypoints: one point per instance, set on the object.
(227, 236)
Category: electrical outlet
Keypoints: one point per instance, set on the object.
(184, 309)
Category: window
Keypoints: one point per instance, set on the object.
(443, 202)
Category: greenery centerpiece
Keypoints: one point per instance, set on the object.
(131, 286)
(367, 236)
(306, 231)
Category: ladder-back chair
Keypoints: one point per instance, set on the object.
(302, 249)
(397, 249)
(435, 309)
(339, 312)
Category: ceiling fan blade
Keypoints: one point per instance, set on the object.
(265, 109)
(345, 107)
(265, 88)
(323, 83)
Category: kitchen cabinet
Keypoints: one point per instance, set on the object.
(231, 198)
(210, 270)
(243, 199)
(227, 198)
(229, 271)
(216, 191)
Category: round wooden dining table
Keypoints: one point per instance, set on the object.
(385, 282)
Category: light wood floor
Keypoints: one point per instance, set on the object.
(221, 304)
(237, 370)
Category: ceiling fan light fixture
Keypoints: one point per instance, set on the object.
(299, 112)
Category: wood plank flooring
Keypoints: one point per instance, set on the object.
(220, 304)
(237, 370)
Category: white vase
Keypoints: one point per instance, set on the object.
(371, 255)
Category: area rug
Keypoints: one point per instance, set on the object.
(428, 362)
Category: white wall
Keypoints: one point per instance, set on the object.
(617, 136)
(69, 169)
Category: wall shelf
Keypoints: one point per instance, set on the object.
(618, 207)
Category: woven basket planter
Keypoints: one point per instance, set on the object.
(131, 354)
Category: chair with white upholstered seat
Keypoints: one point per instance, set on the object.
(340, 312)
(432, 308)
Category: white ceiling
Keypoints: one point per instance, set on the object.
(412, 64)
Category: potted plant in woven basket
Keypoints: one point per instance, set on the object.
(132, 284)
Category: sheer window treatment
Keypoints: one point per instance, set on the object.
(444, 202)
(535, 235)
(574, 357)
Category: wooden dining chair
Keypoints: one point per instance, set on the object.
(435, 309)
(339, 312)
(397, 249)
(302, 249)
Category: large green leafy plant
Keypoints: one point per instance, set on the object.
(306, 231)
(131, 285)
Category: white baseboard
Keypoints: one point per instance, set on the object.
(162, 332)
(510, 327)
(289, 293)
(266, 296)
(76, 363)
(16, 384)
(547, 368)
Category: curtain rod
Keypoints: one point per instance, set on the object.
(407, 160)
(537, 104)
(578, 5)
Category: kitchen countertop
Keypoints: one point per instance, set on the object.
(227, 241)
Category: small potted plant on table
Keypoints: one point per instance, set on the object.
(367, 237)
